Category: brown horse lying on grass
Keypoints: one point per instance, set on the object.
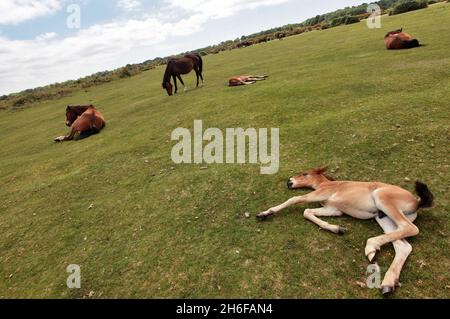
(396, 40)
(246, 79)
(394, 208)
(176, 67)
(84, 120)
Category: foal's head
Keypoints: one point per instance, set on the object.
(309, 179)
(168, 87)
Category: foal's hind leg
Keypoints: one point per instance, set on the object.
(405, 228)
(402, 251)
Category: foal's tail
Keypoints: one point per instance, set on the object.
(426, 197)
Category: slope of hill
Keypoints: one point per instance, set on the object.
(141, 226)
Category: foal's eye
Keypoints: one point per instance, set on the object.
(305, 174)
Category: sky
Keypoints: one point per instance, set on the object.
(48, 41)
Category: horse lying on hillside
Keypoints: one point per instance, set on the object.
(396, 40)
(84, 120)
(394, 209)
(184, 65)
(246, 79)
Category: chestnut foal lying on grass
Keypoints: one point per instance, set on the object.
(246, 79)
(394, 208)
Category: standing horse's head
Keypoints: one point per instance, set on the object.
(309, 179)
(168, 87)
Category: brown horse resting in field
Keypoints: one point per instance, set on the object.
(176, 67)
(246, 79)
(84, 120)
(394, 209)
(396, 40)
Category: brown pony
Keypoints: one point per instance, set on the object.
(396, 40)
(184, 65)
(246, 79)
(84, 120)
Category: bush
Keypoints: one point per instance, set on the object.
(409, 5)
(344, 20)
(124, 73)
(351, 19)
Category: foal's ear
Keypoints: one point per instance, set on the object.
(68, 108)
(321, 170)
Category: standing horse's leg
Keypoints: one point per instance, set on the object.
(175, 83)
(402, 251)
(182, 82)
(198, 76)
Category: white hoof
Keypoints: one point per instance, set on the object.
(371, 250)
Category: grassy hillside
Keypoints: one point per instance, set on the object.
(157, 229)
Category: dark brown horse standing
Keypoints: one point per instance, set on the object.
(184, 65)
(84, 120)
(396, 40)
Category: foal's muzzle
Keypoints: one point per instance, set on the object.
(290, 183)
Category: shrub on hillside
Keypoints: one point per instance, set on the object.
(408, 5)
(351, 20)
(344, 20)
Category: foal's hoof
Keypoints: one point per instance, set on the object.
(342, 230)
(59, 139)
(371, 256)
(386, 290)
(263, 216)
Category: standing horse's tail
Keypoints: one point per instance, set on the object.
(200, 63)
(426, 197)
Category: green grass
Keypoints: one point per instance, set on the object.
(163, 230)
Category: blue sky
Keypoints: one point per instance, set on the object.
(37, 47)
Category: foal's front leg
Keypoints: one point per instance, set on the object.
(313, 197)
(314, 214)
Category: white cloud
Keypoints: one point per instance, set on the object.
(46, 36)
(219, 8)
(128, 5)
(48, 58)
(16, 11)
